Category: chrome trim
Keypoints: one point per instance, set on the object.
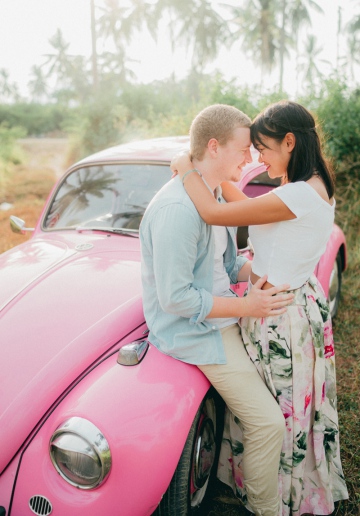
(18, 225)
(40, 505)
(205, 449)
(133, 353)
(334, 285)
(95, 439)
(83, 247)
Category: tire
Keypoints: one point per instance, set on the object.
(190, 488)
(335, 286)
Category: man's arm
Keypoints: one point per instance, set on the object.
(258, 303)
(175, 233)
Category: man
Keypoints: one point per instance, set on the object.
(191, 312)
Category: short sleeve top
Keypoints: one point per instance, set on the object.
(288, 251)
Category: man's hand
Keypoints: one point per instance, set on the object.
(263, 303)
(180, 163)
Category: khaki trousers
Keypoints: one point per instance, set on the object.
(263, 424)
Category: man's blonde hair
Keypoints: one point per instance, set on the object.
(217, 121)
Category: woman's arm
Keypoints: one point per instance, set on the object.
(232, 193)
(259, 210)
(181, 163)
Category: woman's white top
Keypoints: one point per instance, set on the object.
(288, 251)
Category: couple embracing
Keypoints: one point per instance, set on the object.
(265, 352)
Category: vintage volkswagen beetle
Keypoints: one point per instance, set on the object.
(95, 420)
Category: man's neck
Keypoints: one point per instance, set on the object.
(208, 172)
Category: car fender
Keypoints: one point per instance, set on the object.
(145, 413)
(325, 265)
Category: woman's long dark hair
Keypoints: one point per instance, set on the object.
(307, 158)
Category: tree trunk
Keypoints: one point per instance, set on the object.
(282, 46)
(93, 46)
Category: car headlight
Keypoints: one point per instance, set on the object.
(80, 453)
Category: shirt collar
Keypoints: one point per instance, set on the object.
(217, 191)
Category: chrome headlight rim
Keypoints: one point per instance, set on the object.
(89, 433)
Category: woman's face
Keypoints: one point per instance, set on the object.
(275, 155)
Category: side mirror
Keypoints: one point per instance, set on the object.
(18, 225)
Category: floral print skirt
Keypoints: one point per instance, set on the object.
(294, 354)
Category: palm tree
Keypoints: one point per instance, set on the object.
(200, 26)
(353, 42)
(5, 86)
(258, 31)
(297, 14)
(282, 43)
(8, 90)
(310, 69)
(70, 71)
(60, 62)
(119, 23)
(37, 85)
(94, 58)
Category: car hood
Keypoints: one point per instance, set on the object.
(63, 303)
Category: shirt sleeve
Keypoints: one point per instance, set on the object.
(175, 232)
(296, 198)
(240, 262)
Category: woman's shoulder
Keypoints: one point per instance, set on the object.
(311, 191)
(318, 186)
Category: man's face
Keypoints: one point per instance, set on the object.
(235, 154)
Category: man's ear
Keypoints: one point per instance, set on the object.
(290, 141)
(213, 146)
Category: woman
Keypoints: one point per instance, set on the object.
(293, 352)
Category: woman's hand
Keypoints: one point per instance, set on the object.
(180, 164)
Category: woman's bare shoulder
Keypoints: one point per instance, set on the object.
(318, 185)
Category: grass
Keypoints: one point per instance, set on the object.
(27, 186)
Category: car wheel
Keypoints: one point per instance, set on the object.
(335, 286)
(190, 488)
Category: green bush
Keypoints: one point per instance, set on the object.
(338, 111)
(36, 119)
(9, 151)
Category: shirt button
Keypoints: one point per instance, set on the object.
(213, 328)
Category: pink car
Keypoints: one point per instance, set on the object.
(94, 419)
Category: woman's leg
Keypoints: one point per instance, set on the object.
(294, 353)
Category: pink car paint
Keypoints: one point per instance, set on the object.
(141, 416)
(52, 342)
(69, 300)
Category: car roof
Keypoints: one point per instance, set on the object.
(159, 150)
(155, 149)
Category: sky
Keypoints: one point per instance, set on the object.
(27, 25)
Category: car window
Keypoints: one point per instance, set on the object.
(264, 179)
(106, 196)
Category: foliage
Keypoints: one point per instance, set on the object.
(94, 126)
(9, 150)
(35, 119)
(8, 138)
(339, 113)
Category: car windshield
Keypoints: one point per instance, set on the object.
(108, 197)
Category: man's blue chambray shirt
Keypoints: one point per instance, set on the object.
(177, 262)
